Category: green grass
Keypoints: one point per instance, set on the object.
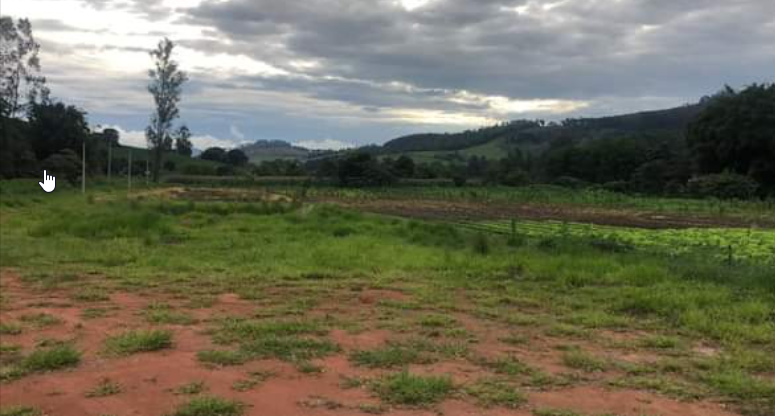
(490, 392)
(222, 358)
(580, 360)
(40, 320)
(289, 348)
(509, 366)
(91, 295)
(21, 411)
(413, 390)
(10, 329)
(273, 254)
(9, 352)
(288, 340)
(210, 406)
(50, 359)
(389, 356)
(133, 342)
(556, 412)
(162, 313)
(42, 359)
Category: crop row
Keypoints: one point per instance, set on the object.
(739, 243)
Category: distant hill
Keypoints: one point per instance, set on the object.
(535, 136)
(267, 150)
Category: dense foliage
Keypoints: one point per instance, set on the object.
(736, 133)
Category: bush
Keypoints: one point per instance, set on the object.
(64, 164)
(362, 169)
(197, 169)
(459, 181)
(569, 182)
(723, 186)
(516, 177)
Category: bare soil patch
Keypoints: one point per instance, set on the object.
(478, 211)
(152, 383)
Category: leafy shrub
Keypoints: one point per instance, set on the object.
(516, 177)
(723, 186)
(362, 169)
(198, 169)
(65, 164)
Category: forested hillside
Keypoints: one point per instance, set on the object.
(526, 131)
(268, 150)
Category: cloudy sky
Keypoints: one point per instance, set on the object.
(336, 73)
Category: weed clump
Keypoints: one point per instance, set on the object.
(412, 390)
(222, 357)
(43, 359)
(133, 342)
(210, 406)
(388, 357)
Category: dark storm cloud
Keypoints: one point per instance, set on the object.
(365, 71)
(572, 49)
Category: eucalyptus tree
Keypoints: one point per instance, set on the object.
(165, 86)
(20, 75)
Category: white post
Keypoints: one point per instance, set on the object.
(83, 168)
(129, 176)
(110, 159)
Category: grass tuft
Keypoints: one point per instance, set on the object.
(10, 329)
(21, 411)
(389, 356)
(222, 357)
(413, 390)
(133, 342)
(581, 360)
(210, 406)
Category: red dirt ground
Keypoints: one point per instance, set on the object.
(148, 380)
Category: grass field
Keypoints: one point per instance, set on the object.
(193, 303)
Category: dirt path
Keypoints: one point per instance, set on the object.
(470, 211)
(150, 383)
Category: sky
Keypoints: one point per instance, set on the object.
(345, 73)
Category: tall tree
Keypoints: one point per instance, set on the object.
(166, 85)
(20, 76)
(183, 145)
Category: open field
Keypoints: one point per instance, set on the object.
(191, 301)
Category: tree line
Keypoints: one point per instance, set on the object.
(726, 149)
(724, 146)
(41, 133)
